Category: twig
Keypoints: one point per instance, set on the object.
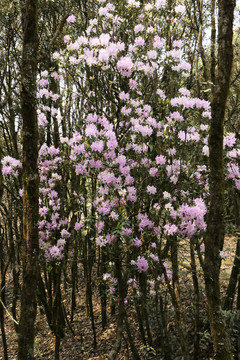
(8, 313)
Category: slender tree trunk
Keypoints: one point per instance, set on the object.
(30, 183)
(196, 302)
(213, 42)
(177, 299)
(215, 225)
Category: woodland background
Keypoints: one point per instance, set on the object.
(119, 182)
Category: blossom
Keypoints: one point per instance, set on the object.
(114, 215)
(71, 19)
(43, 211)
(134, 3)
(7, 170)
(184, 92)
(103, 55)
(91, 130)
(136, 242)
(9, 165)
(177, 43)
(161, 94)
(180, 8)
(44, 73)
(205, 150)
(152, 54)
(65, 234)
(176, 116)
(160, 160)
(43, 82)
(223, 255)
(229, 140)
(132, 84)
(42, 120)
(97, 146)
(126, 111)
(78, 225)
(101, 241)
(138, 28)
(158, 42)
(139, 41)
(170, 229)
(153, 171)
(104, 39)
(151, 190)
(126, 231)
(142, 264)
(123, 96)
(55, 252)
(106, 276)
(160, 4)
(125, 65)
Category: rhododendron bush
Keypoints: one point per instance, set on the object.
(132, 174)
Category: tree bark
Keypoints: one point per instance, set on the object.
(215, 224)
(30, 183)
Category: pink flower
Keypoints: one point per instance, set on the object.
(124, 96)
(132, 84)
(43, 82)
(55, 252)
(78, 225)
(170, 229)
(97, 146)
(153, 171)
(104, 39)
(136, 242)
(152, 54)
(180, 8)
(125, 65)
(138, 28)
(43, 211)
(160, 4)
(126, 111)
(103, 55)
(121, 160)
(151, 190)
(205, 150)
(101, 241)
(184, 92)
(160, 160)
(175, 115)
(6, 170)
(139, 41)
(42, 120)
(229, 140)
(100, 226)
(126, 231)
(44, 73)
(177, 43)
(142, 264)
(91, 130)
(114, 215)
(158, 42)
(71, 19)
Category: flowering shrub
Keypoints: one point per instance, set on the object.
(142, 144)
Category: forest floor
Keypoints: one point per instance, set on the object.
(79, 346)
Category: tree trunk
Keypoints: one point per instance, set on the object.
(30, 183)
(215, 225)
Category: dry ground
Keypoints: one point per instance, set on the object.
(80, 346)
